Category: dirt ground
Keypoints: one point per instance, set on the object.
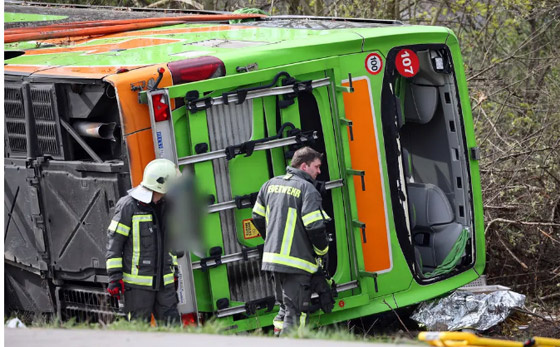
(522, 326)
(519, 326)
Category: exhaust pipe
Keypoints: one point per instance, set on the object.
(105, 131)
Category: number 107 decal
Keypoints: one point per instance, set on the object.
(407, 63)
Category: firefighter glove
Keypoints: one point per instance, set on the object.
(326, 291)
(116, 288)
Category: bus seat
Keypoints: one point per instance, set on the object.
(445, 237)
(431, 205)
(420, 103)
(434, 231)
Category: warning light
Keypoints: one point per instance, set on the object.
(341, 303)
(188, 319)
(196, 69)
(161, 108)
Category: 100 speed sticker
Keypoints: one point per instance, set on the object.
(374, 63)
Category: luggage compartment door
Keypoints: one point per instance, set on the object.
(236, 132)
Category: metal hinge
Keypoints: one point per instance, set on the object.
(475, 153)
(360, 173)
(350, 124)
(362, 226)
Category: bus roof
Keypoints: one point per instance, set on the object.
(273, 40)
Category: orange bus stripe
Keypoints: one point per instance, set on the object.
(177, 31)
(365, 156)
(106, 47)
(69, 71)
(25, 68)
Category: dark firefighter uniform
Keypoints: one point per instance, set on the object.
(138, 254)
(289, 216)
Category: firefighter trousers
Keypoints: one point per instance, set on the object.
(293, 292)
(141, 303)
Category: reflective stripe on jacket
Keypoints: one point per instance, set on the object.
(136, 251)
(289, 207)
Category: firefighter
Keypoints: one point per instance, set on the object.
(290, 218)
(140, 263)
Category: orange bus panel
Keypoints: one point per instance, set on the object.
(105, 47)
(135, 117)
(364, 152)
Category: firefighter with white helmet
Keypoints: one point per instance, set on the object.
(140, 263)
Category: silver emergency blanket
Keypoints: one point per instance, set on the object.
(462, 310)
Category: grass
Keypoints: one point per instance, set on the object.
(333, 332)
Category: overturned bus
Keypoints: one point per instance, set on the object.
(387, 104)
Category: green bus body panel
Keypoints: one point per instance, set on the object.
(453, 45)
(246, 173)
(11, 17)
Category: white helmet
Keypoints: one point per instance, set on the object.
(158, 174)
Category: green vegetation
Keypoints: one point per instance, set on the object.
(334, 332)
